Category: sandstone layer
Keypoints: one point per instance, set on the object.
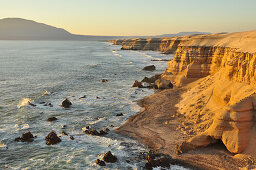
(217, 75)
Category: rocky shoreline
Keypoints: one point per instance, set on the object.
(207, 120)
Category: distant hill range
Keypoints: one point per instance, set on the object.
(22, 29)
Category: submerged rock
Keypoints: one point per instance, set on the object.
(66, 103)
(52, 138)
(137, 84)
(25, 137)
(99, 162)
(84, 96)
(149, 68)
(108, 157)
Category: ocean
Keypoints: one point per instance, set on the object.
(50, 71)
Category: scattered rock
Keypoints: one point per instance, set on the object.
(137, 84)
(151, 79)
(66, 103)
(108, 157)
(87, 127)
(84, 96)
(52, 138)
(107, 130)
(52, 119)
(158, 160)
(49, 104)
(64, 133)
(42, 103)
(97, 97)
(149, 68)
(95, 132)
(99, 162)
(104, 80)
(25, 137)
(31, 104)
(64, 126)
(71, 137)
(120, 114)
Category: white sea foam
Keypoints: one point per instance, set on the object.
(24, 102)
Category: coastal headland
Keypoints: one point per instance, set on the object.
(208, 119)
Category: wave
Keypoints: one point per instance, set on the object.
(24, 102)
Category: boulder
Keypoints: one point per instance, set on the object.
(151, 79)
(137, 84)
(72, 137)
(163, 84)
(108, 157)
(66, 103)
(52, 138)
(100, 163)
(104, 80)
(149, 68)
(25, 137)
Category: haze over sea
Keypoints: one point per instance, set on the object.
(50, 71)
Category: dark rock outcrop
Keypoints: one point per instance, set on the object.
(137, 84)
(66, 103)
(52, 119)
(52, 138)
(100, 162)
(25, 137)
(108, 157)
(95, 132)
(151, 79)
(150, 68)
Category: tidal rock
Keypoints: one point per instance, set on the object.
(151, 79)
(31, 104)
(158, 160)
(72, 137)
(149, 68)
(137, 84)
(108, 157)
(64, 133)
(25, 137)
(66, 103)
(104, 80)
(52, 119)
(84, 96)
(99, 162)
(120, 114)
(52, 138)
(95, 132)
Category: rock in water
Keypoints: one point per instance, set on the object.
(137, 84)
(66, 103)
(104, 80)
(52, 138)
(149, 68)
(108, 157)
(25, 137)
(99, 162)
(52, 119)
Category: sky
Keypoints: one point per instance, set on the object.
(136, 17)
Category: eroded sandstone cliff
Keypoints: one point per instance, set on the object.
(219, 72)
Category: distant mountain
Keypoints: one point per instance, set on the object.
(182, 34)
(22, 29)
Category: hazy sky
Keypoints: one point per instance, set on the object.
(136, 17)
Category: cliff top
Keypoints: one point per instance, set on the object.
(242, 41)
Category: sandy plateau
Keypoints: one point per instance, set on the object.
(208, 119)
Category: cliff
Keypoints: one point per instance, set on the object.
(218, 75)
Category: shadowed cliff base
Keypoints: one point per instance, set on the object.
(214, 101)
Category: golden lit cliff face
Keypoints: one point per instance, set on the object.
(198, 62)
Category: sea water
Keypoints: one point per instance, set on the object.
(50, 71)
